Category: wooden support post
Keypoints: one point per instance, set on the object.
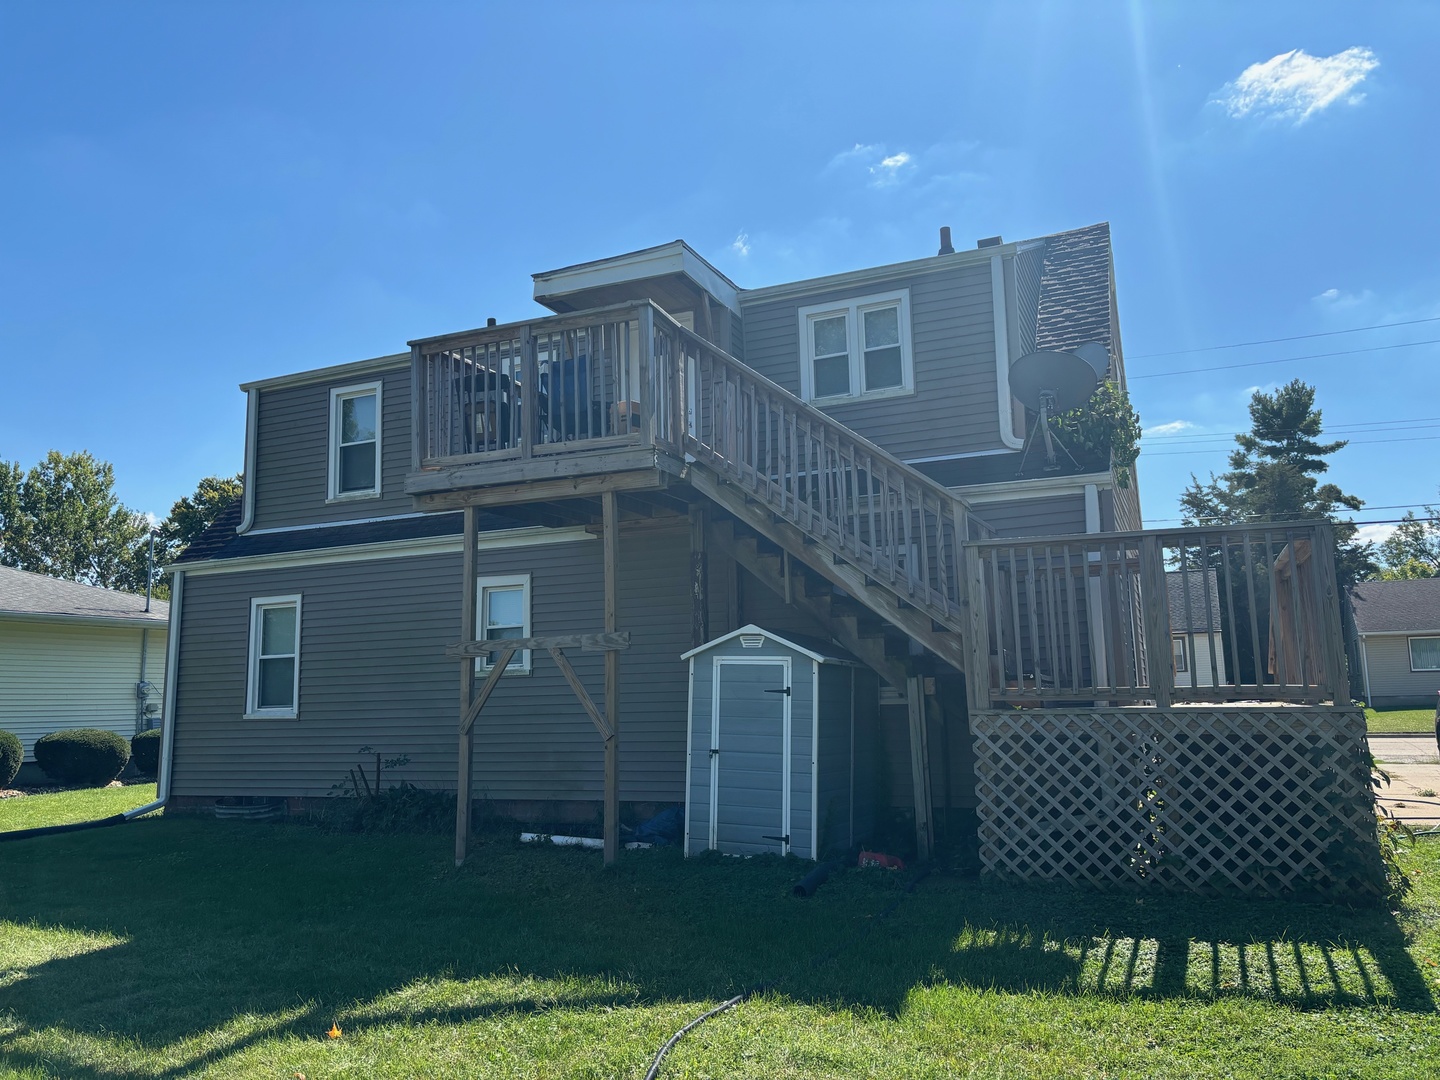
(463, 780)
(920, 767)
(612, 683)
(699, 578)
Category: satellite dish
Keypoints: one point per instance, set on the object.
(1050, 383)
(1096, 355)
(1069, 378)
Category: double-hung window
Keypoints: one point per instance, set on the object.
(856, 348)
(503, 612)
(355, 441)
(1425, 654)
(273, 671)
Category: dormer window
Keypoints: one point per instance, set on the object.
(856, 348)
(355, 442)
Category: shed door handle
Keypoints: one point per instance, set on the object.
(783, 839)
(783, 690)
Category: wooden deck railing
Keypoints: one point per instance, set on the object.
(1190, 615)
(559, 385)
(631, 375)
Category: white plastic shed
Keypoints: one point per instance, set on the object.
(771, 746)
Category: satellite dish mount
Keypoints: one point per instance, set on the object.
(1050, 383)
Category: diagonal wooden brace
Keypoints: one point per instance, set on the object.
(606, 731)
(468, 721)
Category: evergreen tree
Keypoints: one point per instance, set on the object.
(1273, 476)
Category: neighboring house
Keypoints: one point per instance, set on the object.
(313, 617)
(1197, 645)
(75, 656)
(1398, 623)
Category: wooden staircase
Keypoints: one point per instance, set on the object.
(881, 544)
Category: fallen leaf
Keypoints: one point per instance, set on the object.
(334, 1031)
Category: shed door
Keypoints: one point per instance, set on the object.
(750, 755)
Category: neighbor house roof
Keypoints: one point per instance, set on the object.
(1396, 606)
(1202, 589)
(36, 596)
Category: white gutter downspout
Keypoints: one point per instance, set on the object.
(1365, 669)
(252, 425)
(998, 301)
(167, 710)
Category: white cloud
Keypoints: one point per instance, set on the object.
(741, 244)
(1296, 85)
(1335, 300)
(1373, 533)
(884, 169)
(1174, 427)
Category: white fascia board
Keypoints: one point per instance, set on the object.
(153, 622)
(342, 524)
(337, 371)
(1397, 633)
(1041, 486)
(769, 635)
(389, 549)
(932, 264)
(675, 257)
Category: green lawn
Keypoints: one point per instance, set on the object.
(64, 807)
(182, 946)
(1420, 721)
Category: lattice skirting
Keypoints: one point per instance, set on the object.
(1250, 799)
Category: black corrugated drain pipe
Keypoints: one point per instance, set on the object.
(829, 954)
(79, 826)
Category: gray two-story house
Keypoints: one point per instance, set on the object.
(809, 458)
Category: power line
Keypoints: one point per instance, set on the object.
(1420, 423)
(1278, 340)
(1385, 506)
(1352, 442)
(1285, 359)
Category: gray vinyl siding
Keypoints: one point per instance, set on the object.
(1392, 683)
(954, 408)
(373, 672)
(292, 454)
(1051, 515)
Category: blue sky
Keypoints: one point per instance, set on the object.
(197, 195)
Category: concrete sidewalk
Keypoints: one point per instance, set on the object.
(1407, 749)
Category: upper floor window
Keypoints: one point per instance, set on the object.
(856, 348)
(355, 441)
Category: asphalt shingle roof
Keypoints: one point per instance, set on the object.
(1382, 606)
(24, 593)
(1201, 587)
(1075, 292)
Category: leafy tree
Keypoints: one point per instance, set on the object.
(193, 514)
(1413, 549)
(62, 519)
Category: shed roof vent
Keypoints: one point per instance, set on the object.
(752, 641)
(989, 241)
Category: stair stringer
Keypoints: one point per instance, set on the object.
(819, 557)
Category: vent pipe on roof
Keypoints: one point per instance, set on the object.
(490, 321)
(989, 241)
(946, 247)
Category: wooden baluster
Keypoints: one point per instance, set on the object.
(1074, 648)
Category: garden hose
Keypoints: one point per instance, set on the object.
(821, 958)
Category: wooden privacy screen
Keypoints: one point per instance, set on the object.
(1262, 801)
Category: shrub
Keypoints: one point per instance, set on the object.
(85, 757)
(145, 752)
(11, 754)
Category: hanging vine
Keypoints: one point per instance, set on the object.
(1106, 429)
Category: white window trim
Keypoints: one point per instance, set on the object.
(852, 310)
(252, 665)
(1410, 648)
(520, 662)
(339, 394)
(1180, 661)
